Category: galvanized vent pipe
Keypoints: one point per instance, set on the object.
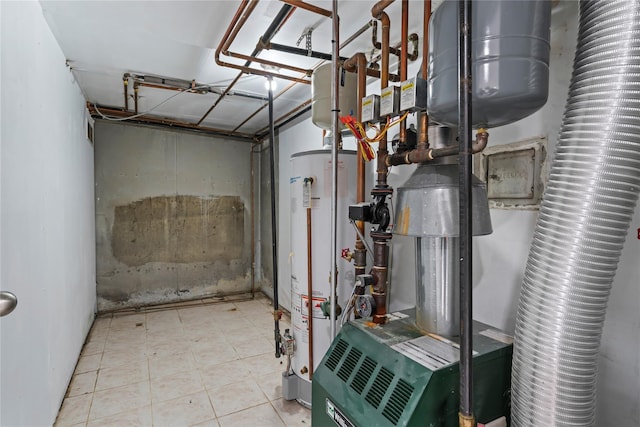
(584, 217)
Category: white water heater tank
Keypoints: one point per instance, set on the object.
(317, 165)
(321, 104)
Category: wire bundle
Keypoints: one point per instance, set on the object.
(364, 141)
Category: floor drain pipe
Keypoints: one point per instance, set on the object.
(583, 221)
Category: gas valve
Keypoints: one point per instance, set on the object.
(346, 254)
(288, 343)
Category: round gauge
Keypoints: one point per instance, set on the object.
(365, 305)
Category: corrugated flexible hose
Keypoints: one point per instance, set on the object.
(584, 217)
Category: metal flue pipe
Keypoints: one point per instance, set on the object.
(584, 217)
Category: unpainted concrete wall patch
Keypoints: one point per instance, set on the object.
(178, 229)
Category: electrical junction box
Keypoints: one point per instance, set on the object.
(389, 101)
(413, 94)
(514, 173)
(370, 109)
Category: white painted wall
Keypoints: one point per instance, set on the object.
(47, 223)
(500, 258)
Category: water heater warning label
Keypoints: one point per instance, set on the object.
(429, 352)
(316, 308)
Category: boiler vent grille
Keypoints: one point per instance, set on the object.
(349, 364)
(364, 371)
(398, 401)
(336, 355)
(363, 375)
(379, 387)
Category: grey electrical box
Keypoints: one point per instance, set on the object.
(370, 109)
(413, 94)
(514, 173)
(510, 174)
(390, 101)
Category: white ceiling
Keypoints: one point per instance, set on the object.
(102, 40)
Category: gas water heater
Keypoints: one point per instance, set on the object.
(309, 337)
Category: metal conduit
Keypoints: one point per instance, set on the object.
(588, 205)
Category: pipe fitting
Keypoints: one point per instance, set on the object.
(424, 154)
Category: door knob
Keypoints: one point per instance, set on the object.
(8, 302)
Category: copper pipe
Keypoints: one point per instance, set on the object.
(425, 37)
(215, 104)
(287, 115)
(377, 45)
(135, 97)
(289, 15)
(263, 107)
(168, 122)
(309, 292)
(236, 24)
(358, 62)
(357, 34)
(125, 83)
(378, 12)
(380, 7)
(257, 71)
(233, 83)
(380, 238)
(404, 60)
(309, 7)
(423, 154)
(239, 19)
(372, 73)
(423, 136)
(280, 65)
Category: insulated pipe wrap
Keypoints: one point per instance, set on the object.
(584, 217)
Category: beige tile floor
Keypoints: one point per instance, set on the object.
(202, 365)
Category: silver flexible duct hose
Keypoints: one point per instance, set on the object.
(584, 217)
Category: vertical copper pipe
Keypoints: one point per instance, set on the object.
(135, 97)
(125, 83)
(381, 169)
(404, 62)
(309, 292)
(358, 63)
(381, 190)
(423, 137)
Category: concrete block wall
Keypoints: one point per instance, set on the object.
(173, 218)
